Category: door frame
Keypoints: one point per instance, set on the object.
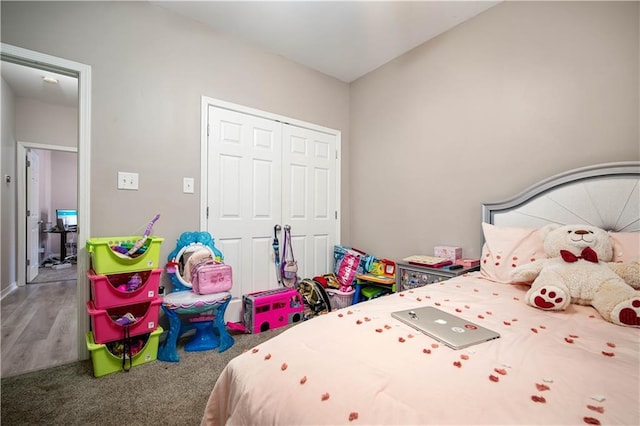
(206, 102)
(83, 73)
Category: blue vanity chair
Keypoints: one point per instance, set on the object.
(187, 310)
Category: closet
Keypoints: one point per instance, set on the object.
(261, 171)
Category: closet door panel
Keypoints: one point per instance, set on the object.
(309, 190)
(244, 194)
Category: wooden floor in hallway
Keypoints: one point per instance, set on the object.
(39, 327)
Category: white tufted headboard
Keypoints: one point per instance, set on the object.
(603, 195)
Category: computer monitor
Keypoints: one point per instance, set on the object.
(69, 217)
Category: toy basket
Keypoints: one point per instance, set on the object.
(104, 260)
(106, 328)
(105, 362)
(115, 289)
(339, 299)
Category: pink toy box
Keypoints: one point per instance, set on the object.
(129, 288)
(449, 252)
(108, 324)
(265, 310)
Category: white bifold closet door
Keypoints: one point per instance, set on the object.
(261, 173)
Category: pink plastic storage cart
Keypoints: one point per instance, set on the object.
(105, 292)
(106, 329)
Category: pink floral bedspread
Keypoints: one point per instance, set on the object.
(360, 366)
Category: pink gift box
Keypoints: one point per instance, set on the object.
(450, 252)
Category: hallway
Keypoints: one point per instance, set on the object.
(39, 327)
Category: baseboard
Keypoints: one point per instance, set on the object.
(7, 291)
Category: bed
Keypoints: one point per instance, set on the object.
(358, 365)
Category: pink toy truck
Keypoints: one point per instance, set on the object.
(264, 310)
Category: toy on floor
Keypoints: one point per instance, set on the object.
(237, 326)
(182, 303)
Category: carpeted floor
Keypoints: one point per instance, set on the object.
(156, 393)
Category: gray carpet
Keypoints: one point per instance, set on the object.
(156, 393)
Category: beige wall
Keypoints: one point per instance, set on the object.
(43, 123)
(521, 92)
(64, 186)
(150, 68)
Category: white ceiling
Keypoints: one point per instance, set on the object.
(343, 39)
(27, 82)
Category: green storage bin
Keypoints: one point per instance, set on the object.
(106, 261)
(371, 292)
(104, 362)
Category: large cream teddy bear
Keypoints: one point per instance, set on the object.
(577, 271)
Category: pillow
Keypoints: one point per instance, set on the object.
(505, 248)
(626, 246)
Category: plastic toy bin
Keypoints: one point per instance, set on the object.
(105, 292)
(339, 299)
(105, 362)
(104, 260)
(106, 329)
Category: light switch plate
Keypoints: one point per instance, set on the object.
(127, 180)
(188, 185)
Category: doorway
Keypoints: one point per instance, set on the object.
(17, 55)
(51, 253)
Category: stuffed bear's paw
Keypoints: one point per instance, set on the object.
(550, 298)
(627, 313)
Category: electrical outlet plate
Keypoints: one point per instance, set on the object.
(188, 185)
(127, 180)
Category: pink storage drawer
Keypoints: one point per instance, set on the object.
(105, 292)
(106, 329)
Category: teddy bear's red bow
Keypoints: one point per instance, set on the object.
(587, 254)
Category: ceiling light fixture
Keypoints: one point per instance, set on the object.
(51, 80)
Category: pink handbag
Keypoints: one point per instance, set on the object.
(211, 277)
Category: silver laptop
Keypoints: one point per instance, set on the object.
(453, 331)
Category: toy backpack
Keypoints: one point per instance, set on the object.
(289, 267)
(210, 277)
(315, 298)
